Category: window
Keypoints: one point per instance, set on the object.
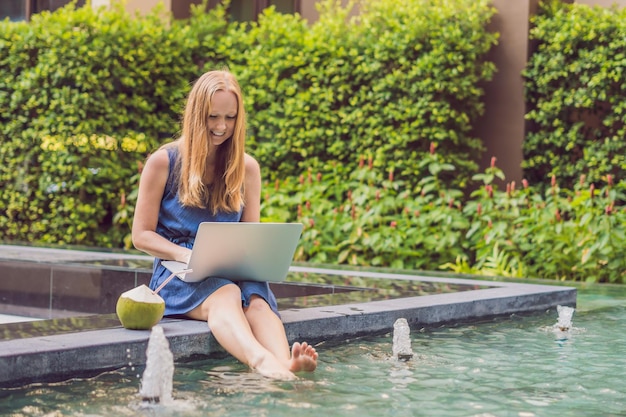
(284, 6)
(240, 10)
(247, 10)
(52, 5)
(17, 10)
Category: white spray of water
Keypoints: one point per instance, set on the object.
(402, 340)
(156, 383)
(564, 322)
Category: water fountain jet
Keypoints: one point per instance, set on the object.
(564, 322)
(402, 340)
(156, 382)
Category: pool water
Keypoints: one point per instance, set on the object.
(514, 366)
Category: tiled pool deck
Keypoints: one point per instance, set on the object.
(75, 292)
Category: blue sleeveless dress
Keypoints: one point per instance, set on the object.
(179, 224)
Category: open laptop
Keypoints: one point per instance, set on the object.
(240, 251)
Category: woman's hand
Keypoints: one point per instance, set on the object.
(186, 255)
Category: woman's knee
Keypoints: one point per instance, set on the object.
(223, 299)
(257, 307)
(257, 303)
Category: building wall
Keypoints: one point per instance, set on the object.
(309, 11)
(502, 126)
(96, 4)
(144, 6)
(603, 3)
(141, 6)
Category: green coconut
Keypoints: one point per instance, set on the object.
(140, 308)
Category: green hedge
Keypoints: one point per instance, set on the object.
(387, 83)
(576, 92)
(77, 84)
(76, 87)
(362, 126)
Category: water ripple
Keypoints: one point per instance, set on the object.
(514, 367)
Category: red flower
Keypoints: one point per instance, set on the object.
(525, 183)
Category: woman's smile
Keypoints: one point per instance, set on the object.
(223, 116)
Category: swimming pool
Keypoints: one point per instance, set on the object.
(515, 366)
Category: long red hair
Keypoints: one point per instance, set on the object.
(226, 191)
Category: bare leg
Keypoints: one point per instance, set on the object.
(226, 319)
(270, 332)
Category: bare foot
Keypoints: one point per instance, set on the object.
(271, 367)
(303, 357)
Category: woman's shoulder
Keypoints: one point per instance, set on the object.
(165, 154)
(160, 158)
(253, 170)
(171, 148)
(251, 163)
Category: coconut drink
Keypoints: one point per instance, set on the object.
(140, 308)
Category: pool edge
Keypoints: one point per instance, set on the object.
(64, 356)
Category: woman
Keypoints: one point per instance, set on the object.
(205, 175)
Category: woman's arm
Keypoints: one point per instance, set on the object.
(252, 190)
(151, 189)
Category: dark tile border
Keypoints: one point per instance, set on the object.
(59, 357)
